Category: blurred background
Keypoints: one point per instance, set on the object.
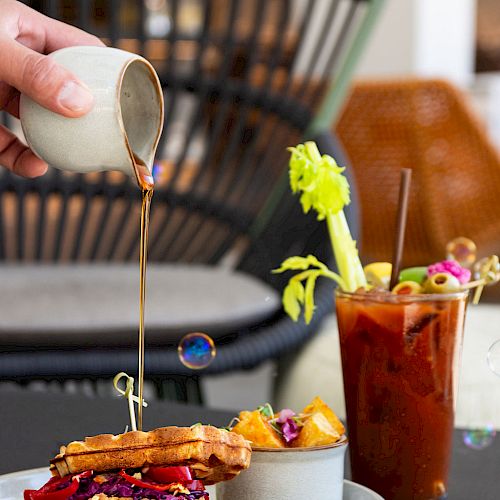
(411, 40)
(379, 85)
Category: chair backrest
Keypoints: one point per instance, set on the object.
(428, 126)
(242, 81)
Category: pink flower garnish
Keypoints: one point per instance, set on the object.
(290, 430)
(285, 415)
(451, 267)
(289, 426)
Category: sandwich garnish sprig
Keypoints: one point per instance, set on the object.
(128, 394)
(322, 187)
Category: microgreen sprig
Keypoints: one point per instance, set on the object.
(266, 410)
(230, 425)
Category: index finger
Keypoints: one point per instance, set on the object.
(46, 35)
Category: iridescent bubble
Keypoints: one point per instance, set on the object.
(157, 171)
(196, 350)
(493, 357)
(463, 250)
(478, 439)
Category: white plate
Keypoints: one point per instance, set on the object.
(13, 485)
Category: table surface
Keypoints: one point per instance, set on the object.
(34, 425)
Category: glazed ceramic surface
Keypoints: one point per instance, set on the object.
(13, 485)
(290, 473)
(127, 114)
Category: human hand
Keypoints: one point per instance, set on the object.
(25, 36)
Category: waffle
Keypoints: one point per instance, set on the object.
(212, 454)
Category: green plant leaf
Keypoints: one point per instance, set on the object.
(292, 298)
(309, 296)
(299, 263)
(313, 261)
(295, 294)
(292, 264)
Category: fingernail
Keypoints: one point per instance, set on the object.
(75, 97)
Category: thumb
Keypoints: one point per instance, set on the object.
(41, 78)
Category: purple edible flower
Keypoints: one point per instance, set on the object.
(290, 430)
(285, 415)
(451, 267)
(289, 426)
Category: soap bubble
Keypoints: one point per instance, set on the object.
(157, 170)
(196, 350)
(494, 357)
(478, 439)
(461, 249)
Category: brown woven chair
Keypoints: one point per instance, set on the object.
(425, 125)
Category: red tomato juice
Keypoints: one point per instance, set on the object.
(400, 360)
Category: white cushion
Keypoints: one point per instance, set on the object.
(98, 304)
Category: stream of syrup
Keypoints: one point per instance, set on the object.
(146, 183)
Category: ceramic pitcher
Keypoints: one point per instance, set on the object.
(127, 117)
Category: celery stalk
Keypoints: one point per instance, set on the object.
(323, 187)
(345, 252)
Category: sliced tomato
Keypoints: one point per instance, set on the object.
(144, 484)
(164, 475)
(51, 485)
(49, 492)
(159, 484)
(63, 494)
(195, 485)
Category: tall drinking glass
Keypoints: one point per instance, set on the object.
(400, 360)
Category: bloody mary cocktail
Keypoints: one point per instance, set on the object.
(400, 360)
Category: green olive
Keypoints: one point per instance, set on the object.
(417, 274)
(442, 283)
(407, 288)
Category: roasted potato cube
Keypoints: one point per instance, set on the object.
(254, 427)
(317, 431)
(318, 405)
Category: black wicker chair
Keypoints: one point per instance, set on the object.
(235, 99)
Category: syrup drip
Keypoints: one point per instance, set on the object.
(146, 183)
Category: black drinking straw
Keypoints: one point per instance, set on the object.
(404, 192)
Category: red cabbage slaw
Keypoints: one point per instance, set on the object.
(117, 486)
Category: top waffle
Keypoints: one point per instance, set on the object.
(212, 454)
